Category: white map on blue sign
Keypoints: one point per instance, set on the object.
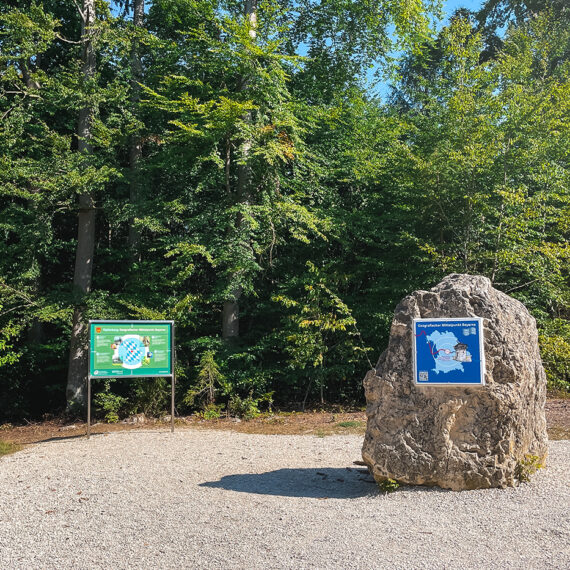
(443, 349)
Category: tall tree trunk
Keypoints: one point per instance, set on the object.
(78, 352)
(135, 151)
(230, 313)
(36, 328)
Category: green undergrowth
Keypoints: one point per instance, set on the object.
(527, 467)
(6, 448)
(349, 424)
(388, 485)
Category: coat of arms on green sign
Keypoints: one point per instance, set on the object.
(130, 348)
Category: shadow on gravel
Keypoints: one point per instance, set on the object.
(327, 483)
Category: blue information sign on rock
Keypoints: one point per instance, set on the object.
(449, 352)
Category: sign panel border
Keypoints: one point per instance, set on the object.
(481, 381)
(155, 374)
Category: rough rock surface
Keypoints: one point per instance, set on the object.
(459, 437)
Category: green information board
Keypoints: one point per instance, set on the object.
(130, 348)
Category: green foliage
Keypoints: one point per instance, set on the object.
(388, 485)
(7, 448)
(249, 407)
(150, 396)
(271, 176)
(246, 408)
(492, 169)
(318, 324)
(210, 381)
(349, 424)
(108, 403)
(527, 467)
(7, 354)
(554, 342)
(212, 386)
(211, 411)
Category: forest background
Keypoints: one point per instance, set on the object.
(230, 165)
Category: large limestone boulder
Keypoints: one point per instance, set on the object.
(459, 437)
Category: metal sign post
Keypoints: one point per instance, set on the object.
(88, 407)
(130, 348)
(172, 407)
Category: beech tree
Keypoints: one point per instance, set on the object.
(136, 142)
(86, 216)
(227, 164)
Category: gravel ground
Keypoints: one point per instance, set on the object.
(218, 499)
